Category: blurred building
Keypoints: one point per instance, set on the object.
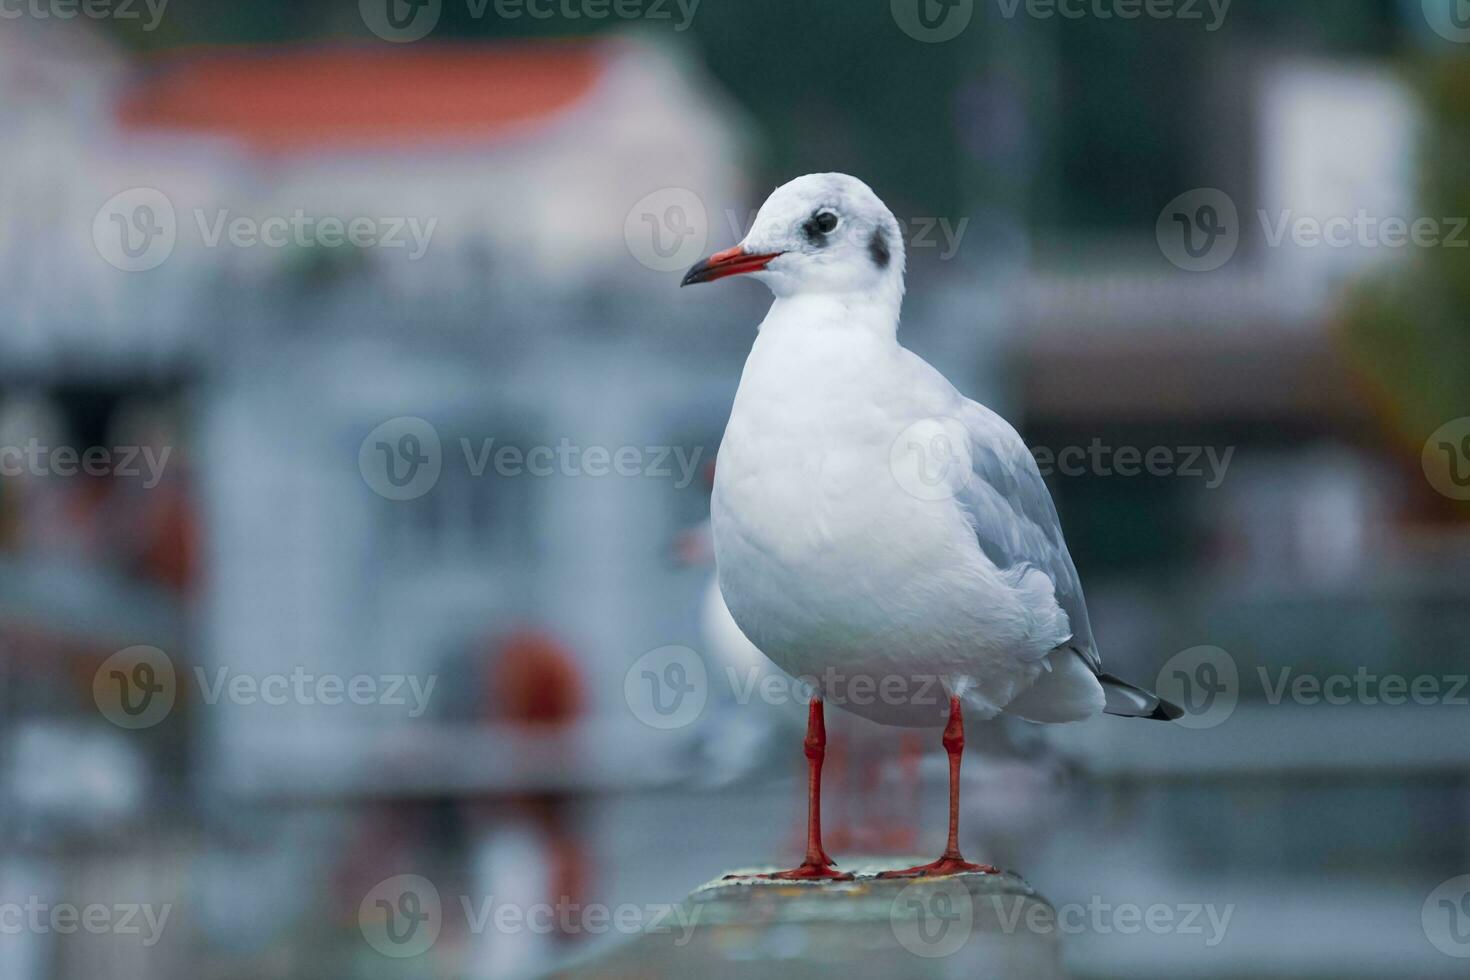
(501, 315)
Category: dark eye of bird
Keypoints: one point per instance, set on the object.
(818, 226)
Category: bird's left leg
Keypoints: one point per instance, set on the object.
(951, 861)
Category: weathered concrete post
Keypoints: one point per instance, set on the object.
(967, 925)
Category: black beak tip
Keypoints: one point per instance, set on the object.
(695, 275)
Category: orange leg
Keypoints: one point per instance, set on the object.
(951, 861)
(817, 865)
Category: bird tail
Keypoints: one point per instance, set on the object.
(1129, 701)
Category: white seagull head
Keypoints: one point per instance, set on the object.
(817, 234)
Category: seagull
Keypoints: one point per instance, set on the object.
(876, 533)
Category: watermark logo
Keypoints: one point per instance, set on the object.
(934, 918)
(135, 688)
(930, 459)
(932, 21)
(136, 230)
(1450, 19)
(401, 459)
(1446, 459)
(1446, 917)
(667, 688)
(401, 917)
(1204, 681)
(667, 230)
(400, 21)
(1199, 230)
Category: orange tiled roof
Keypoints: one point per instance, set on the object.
(293, 98)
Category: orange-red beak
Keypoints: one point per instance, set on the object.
(730, 262)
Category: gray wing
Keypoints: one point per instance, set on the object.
(1015, 520)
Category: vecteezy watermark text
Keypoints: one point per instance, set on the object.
(668, 687)
(681, 12)
(1207, 683)
(937, 21)
(1363, 230)
(1211, 12)
(1363, 687)
(567, 458)
(1099, 459)
(668, 230)
(37, 917)
(90, 9)
(136, 688)
(1101, 918)
(403, 458)
(36, 459)
(935, 918)
(309, 231)
(1201, 229)
(403, 916)
(404, 21)
(838, 687)
(306, 688)
(919, 232)
(936, 458)
(138, 229)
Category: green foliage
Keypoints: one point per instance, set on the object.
(1409, 331)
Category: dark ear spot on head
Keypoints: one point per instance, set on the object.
(878, 248)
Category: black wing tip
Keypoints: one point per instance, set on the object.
(1166, 711)
(1162, 710)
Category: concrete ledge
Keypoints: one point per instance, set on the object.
(968, 925)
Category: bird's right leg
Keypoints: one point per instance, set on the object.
(817, 865)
